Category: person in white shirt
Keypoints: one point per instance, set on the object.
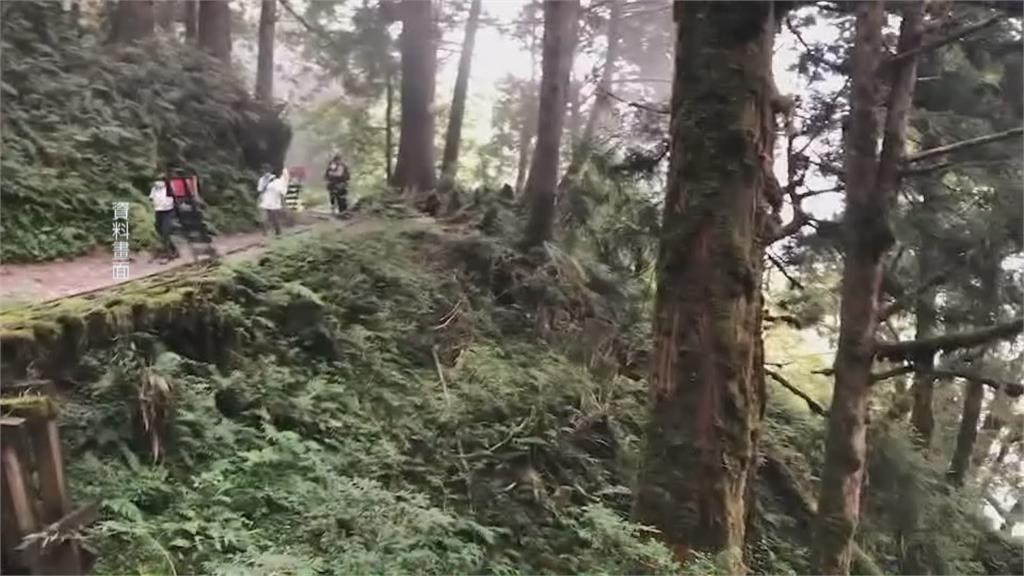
(271, 201)
(163, 206)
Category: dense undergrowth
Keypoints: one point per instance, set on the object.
(335, 443)
(88, 123)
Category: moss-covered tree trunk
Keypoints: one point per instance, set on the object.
(133, 20)
(214, 28)
(706, 385)
(559, 43)
(265, 59)
(453, 137)
(414, 170)
(871, 183)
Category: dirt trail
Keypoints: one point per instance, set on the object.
(32, 283)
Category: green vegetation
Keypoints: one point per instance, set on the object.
(329, 442)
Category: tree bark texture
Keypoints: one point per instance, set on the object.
(414, 170)
(528, 115)
(922, 417)
(191, 18)
(707, 382)
(453, 137)
(214, 32)
(265, 58)
(133, 21)
(871, 182)
(560, 18)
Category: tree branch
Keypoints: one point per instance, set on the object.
(316, 30)
(940, 42)
(910, 349)
(794, 283)
(908, 298)
(891, 373)
(811, 403)
(957, 146)
(1013, 389)
(639, 105)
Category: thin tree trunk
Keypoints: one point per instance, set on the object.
(602, 101)
(450, 158)
(528, 116)
(265, 59)
(922, 417)
(191, 17)
(133, 21)
(389, 117)
(871, 183)
(414, 170)
(967, 435)
(559, 42)
(707, 385)
(214, 32)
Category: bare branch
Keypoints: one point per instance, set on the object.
(639, 105)
(794, 283)
(965, 144)
(316, 30)
(910, 349)
(811, 403)
(940, 42)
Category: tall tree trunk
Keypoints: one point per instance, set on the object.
(389, 128)
(559, 42)
(415, 167)
(967, 435)
(602, 100)
(528, 115)
(166, 12)
(265, 59)
(450, 158)
(706, 385)
(871, 183)
(191, 18)
(214, 32)
(133, 20)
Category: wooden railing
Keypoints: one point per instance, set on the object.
(39, 528)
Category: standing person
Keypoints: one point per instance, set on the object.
(337, 177)
(271, 200)
(163, 206)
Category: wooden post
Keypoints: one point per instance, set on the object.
(17, 498)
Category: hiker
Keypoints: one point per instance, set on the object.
(271, 199)
(337, 177)
(163, 206)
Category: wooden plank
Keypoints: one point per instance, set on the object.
(49, 470)
(16, 484)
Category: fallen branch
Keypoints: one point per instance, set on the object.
(911, 349)
(964, 144)
(440, 376)
(811, 403)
